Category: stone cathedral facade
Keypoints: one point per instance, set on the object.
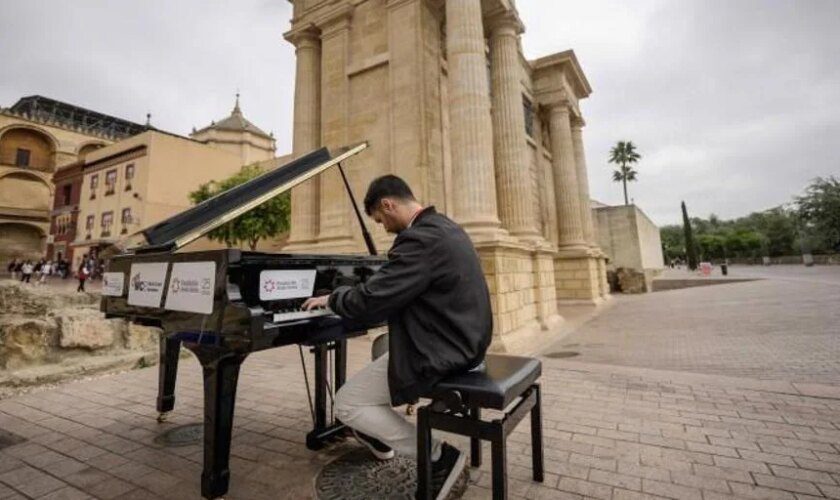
(447, 101)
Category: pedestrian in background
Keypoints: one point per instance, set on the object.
(84, 272)
(46, 269)
(26, 271)
(12, 268)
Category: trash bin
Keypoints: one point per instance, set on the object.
(724, 269)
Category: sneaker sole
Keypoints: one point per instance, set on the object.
(454, 474)
(380, 455)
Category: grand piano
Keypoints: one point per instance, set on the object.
(225, 304)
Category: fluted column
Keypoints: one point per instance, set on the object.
(583, 183)
(471, 130)
(513, 173)
(306, 135)
(570, 228)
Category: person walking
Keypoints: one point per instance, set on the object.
(46, 269)
(18, 269)
(26, 271)
(12, 268)
(84, 273)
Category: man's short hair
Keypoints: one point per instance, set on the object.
(387, 186)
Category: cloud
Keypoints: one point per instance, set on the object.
(733, 104)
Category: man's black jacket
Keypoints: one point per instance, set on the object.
(436, 300)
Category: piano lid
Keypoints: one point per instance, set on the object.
(191, 224)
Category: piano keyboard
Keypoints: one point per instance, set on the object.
(286, 316)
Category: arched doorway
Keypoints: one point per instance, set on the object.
(19, 240)
(27, 148)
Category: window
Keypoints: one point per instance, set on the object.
(125, 218)
(22, 157)
(110, 182)
(94, 183)
(528, 109)
(89, 223)
(66, 194)
(107, 220)
(129, 175)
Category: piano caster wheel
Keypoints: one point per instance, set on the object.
(409, 409)
(163, 416)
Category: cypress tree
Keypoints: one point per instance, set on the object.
(690, 248)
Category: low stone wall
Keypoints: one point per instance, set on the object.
(820, 260)
(47, 335)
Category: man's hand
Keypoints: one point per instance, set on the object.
(316, 302)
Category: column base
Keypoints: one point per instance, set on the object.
(578, 279)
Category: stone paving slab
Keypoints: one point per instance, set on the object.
(608, 433)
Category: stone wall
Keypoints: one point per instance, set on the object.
(47, 335)
(629, 238)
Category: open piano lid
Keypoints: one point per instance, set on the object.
(181, 229)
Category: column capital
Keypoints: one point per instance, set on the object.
(303, 36)
(505, 24)
(578, 123)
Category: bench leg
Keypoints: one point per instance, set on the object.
(424, 455)
(475, 443)
(537, 435)
(499, 459)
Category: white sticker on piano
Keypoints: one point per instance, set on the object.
(113, 284)
(191, 287)
(146, 286)
(287, 284)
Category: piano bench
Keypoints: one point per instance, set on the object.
(456, 407)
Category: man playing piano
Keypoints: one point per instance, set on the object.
(435, 298)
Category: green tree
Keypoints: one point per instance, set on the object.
(690, 248)
(624, 155)
(672, 242)
(819, 211)
(265, 221)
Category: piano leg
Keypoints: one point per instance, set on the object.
(221, 374)
(324, 433)
(170, 350)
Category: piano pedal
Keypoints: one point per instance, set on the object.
(163, 416)
(409, 409)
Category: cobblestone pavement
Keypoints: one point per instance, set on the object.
(611, 430)
(785, 326)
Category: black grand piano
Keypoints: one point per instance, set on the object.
(225, 304)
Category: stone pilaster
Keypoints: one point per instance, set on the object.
(566, 188)
(471, 130)
(335, 225)
(307, 133)
(583, 184)
(513, 177)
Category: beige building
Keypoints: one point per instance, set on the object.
(446, 99)
(235, 134)
(140, 181)
(39, 135)
(629, 238)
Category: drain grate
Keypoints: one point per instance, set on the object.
(8, 439)
(358, 476)
(182, 435)
(562, 354)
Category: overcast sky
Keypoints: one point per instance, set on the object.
(734, 104)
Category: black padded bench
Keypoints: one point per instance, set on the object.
(456, 407)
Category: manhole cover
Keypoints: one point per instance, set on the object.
(181, 435)
(358, 476)
(562, 354)
(8, 439)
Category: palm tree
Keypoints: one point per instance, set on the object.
(624, 154)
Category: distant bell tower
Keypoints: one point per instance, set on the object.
(239, 136)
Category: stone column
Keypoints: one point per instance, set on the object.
(583, 183)
(335, 225)
(307, 133)
(513, 175)
(471, 130)
(570, 228)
